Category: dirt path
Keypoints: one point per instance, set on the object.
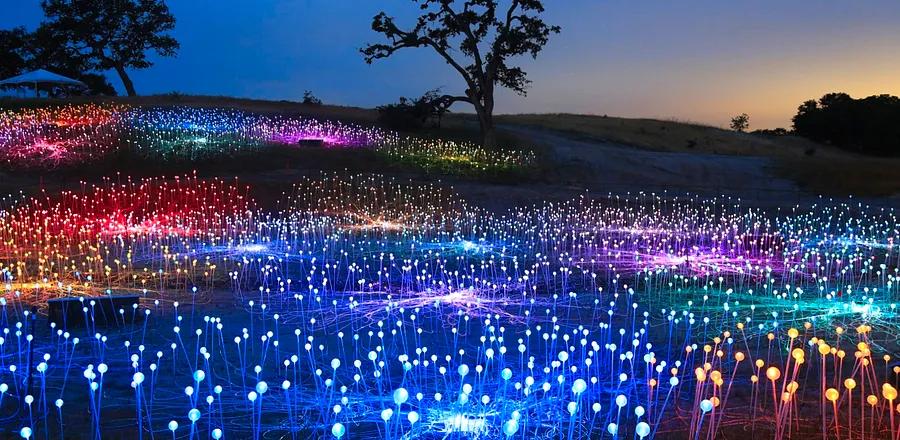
(616, 166)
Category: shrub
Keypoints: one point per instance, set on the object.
(411, 114)
(740, 123)
(310, 99)
(772, 132)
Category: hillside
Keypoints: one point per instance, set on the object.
(815, 168)
(810, 167)
(669, 136)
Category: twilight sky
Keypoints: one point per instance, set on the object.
(699, 60)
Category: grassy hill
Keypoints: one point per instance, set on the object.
(670, 136)
(817, 168)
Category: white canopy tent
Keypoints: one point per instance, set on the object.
(38, 77)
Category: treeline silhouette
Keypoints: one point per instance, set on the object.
(868, 125)
(21, 51)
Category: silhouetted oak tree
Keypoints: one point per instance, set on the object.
(113, 34)
(476, 38)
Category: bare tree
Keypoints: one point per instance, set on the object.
(476, 38)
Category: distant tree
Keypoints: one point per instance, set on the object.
(740, 123)
(414, 113)
(807, 120)
(869, 125)
(113, 35)
(310, 99)
(476, 38)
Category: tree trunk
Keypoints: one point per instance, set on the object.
(489, 135)
(486, 124)
(126, 81)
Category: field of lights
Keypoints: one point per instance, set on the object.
(77, 135)
(361, 306)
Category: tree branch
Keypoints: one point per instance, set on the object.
(386, 25)
(493, 63)
(448, 100)
(467, 29)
